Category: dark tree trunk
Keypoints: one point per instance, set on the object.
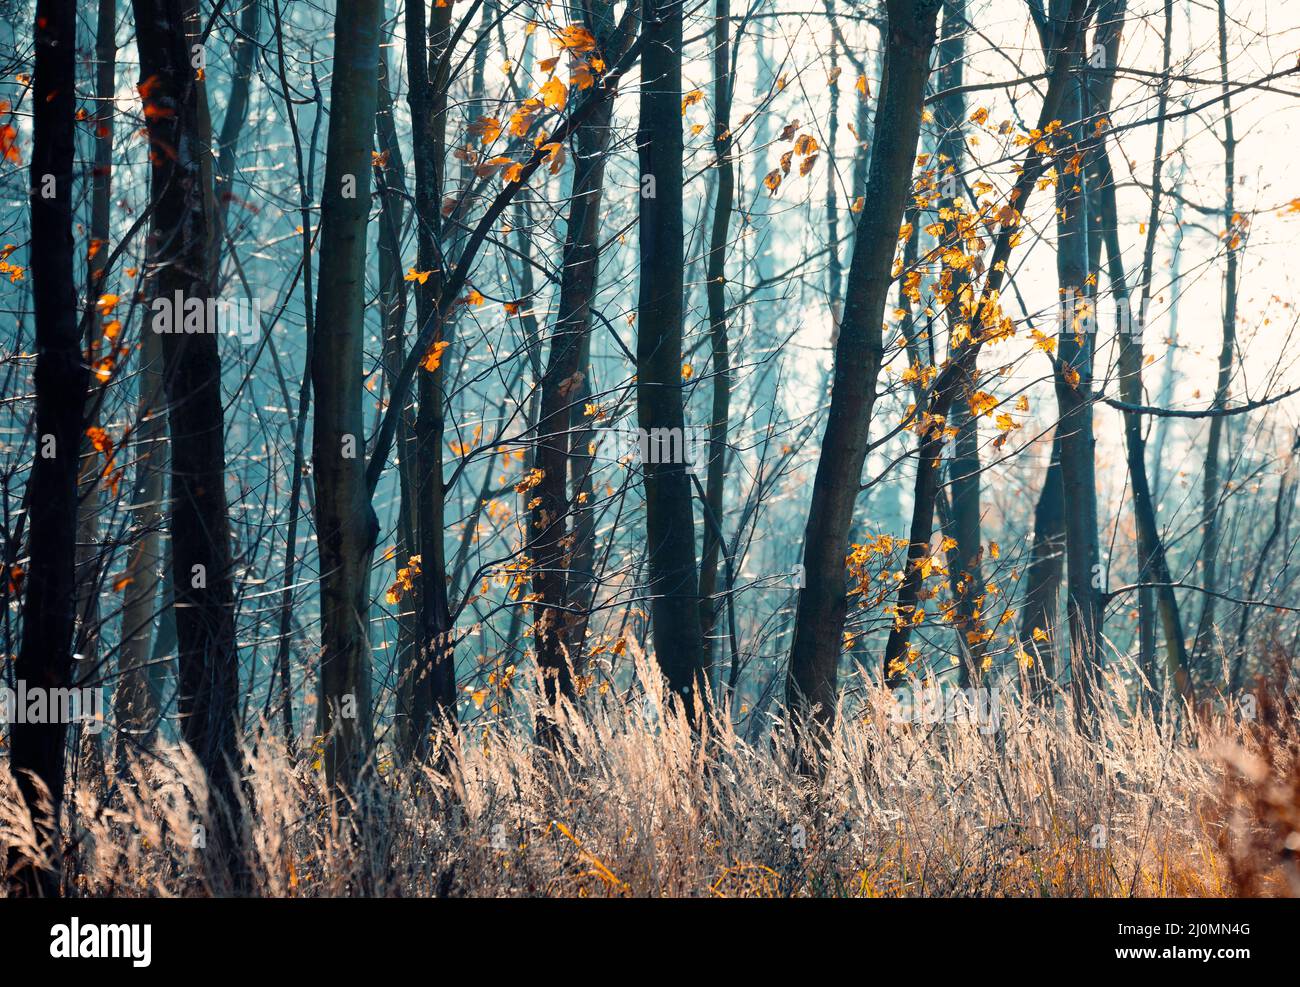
(346, 526)
(670, 524)
(181, 241)
(716, 292)
(49, 607)
(819, 621)
(560, 417)
(433, 676)
(1073, 379)
(1152, 563)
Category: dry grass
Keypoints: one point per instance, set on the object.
(641, 805)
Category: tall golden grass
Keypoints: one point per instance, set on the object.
(638, 803)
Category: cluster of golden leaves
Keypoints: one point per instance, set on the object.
(804, 146)
(585, 67)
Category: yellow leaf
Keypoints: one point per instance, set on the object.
(486, 129)
(576, 38)
(690, 99)
(433, 359)
(555, 94)
(982, 403)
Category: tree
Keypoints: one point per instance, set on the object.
(180, 238)
(346, 525)
(670, 526)
(49, 608)
(819, 621)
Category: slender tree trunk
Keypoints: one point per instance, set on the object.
(1073, 378)
(1043, 580)
(346, 526)
(233, 122)
(136, 701)
(561, 409)
(560, 416)
(1152, 563)
(716, 292)
(391, 177)
(964, 466)
(1212, 485)
(819, 621)
(89, 561)
(670, 524)
(49, 607)
(298, 461)
(181, 243)
(434, 678)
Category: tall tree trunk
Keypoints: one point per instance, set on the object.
(964, 466)
(819, 620)
(1152, 563)
(49, 608)
(1073, 379)
(89, 561)
(670, 523)
(391, 177)
(1212, 485)
(560, 417)
(136, 700)
(434, 677)
(716, 292)
(346, 525)
(181, 239)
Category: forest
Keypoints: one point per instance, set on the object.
(649, 448)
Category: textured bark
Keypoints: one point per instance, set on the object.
(180, 246)
(346, 526)
(433, 675)
(1073, 379)
(49, 607)
(670, 523)
(819, 620)
(560, 416)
